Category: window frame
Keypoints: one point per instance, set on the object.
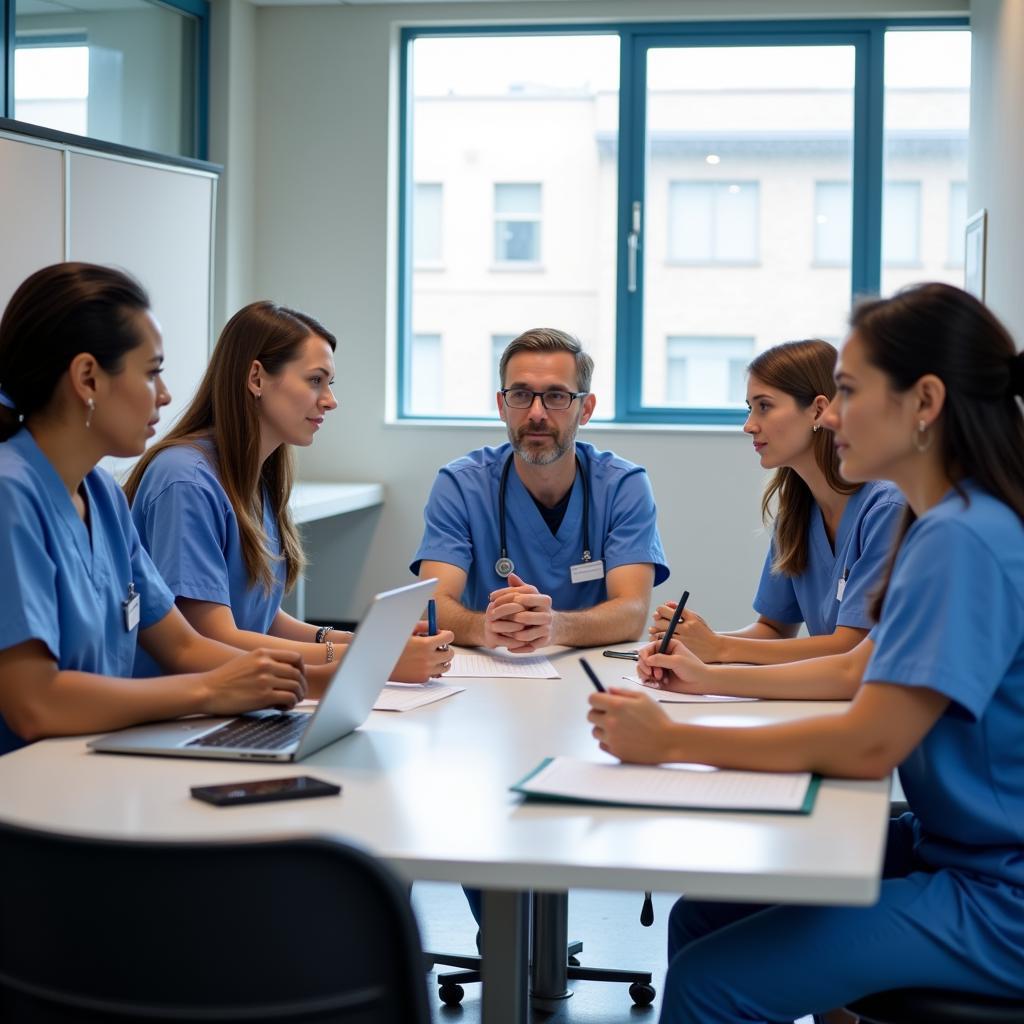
(197, 9)
(866, 36)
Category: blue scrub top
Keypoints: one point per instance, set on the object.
(953, 621)
(462, 527)
(863, 543)
(64, 583)
(189, 528)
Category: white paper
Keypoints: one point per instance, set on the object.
(401, 696)
(486, 664)
(697, 786)
(671, 697)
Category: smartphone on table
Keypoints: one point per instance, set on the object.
(264, 790)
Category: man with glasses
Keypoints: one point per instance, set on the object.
(543, 540)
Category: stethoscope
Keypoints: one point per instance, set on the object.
(504, 566)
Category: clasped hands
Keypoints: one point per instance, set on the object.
(518, 617)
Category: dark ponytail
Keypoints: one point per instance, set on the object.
(941, 330)
(57, 313)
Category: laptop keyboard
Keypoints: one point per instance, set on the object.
(269, 733)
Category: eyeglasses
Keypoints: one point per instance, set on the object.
(557, 401)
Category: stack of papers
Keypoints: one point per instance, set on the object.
(487, 664)
(694, 786)
(401, 696)
(671, 697)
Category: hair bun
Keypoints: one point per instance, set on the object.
(1017, 374)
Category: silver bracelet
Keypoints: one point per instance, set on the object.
(330, 652)
(321, 633)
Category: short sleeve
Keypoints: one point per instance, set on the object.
(156, 599)
(183, 527)
(877, 530)
(633, 536)
(776, 596)
(28, 597)
(446, 534)
(951, 620)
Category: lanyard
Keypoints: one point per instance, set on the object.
(504, 566)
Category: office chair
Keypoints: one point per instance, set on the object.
(303, 930)
(936, 1006)
(549, 916)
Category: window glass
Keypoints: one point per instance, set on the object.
(927, 115)
(426, 224)
(426, 376)
(499, 342)
(742, 143)
(957, 222)
(124, 72)
(520, 133)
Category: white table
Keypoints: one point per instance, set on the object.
(312, 501)
(402, 774)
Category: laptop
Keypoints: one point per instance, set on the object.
(293, 735)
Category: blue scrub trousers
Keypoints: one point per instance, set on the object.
(732, 962)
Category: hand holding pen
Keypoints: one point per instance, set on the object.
(432, 631)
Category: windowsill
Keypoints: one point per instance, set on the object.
(594, 426)
(515, 267)
(715, 264)
(428, 268)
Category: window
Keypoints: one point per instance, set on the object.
(766, 174)
(517, 223)
(833, 231)
(499, 342)
(957, 223)
(426, 377)
(901, 224)
(706, 371)
(712, 222)
(128, 73)
(426, 225)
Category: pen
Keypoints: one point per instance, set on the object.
(625, 655)
(593, 678)
(676, 616)
(431, 617)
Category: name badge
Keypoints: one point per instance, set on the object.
(130, 607)
(584, 572)
(841, 589)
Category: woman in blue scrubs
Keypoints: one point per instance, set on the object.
(80, 360)
(929, 383)
(831, 537)
(210, 500)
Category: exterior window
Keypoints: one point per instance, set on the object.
(499, 342)
(901, 224)
(426, 225)
(713, 222)
(426, 376)
(957, 221)
(706, 371)
(52, 87)
(517, 223)
(833, 212)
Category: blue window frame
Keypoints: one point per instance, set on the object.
(866, 37)
(199, 10)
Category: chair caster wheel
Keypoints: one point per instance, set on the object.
(574, 961)
(642, 995)
(451, 994)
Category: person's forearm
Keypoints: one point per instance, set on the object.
(774, 652)
(836, 677)
(755, 631)
(245, 640)
(618, 620)
(468, 626)
(287, 627)
(80, 702)
(826, 744)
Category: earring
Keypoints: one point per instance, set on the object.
(816, 427)
(90, 408)
(923, 438)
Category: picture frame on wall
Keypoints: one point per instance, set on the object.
(975, 237)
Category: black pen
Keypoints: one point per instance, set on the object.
(676, 616)
(598, 685)
(625, 655)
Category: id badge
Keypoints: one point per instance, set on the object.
(841, 589)
(584, 572)
(130, 607)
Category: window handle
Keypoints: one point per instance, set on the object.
(633, 248)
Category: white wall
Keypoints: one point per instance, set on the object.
(997, 150)
(324, 215)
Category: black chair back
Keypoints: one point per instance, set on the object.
(296, 930)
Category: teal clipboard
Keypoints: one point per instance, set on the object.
(520, 787)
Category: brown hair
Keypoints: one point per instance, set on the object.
(55, 314)
(224, 410)
(548, 339)
(803, 370)
(941, 330)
